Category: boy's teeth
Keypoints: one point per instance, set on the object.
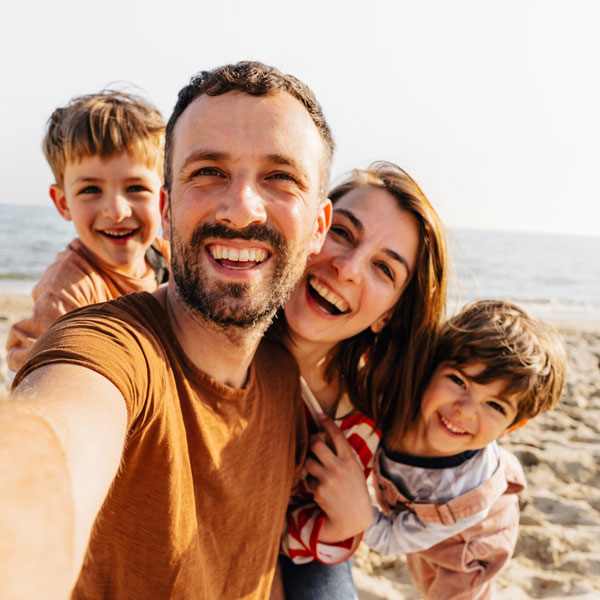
(118, 233)
(219, 252)
(452, 427)
(328, 295)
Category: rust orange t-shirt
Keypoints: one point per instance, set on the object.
(196, 510)
(76, 278)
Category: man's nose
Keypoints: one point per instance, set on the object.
(116, 207)
(349, 266)
(242, 206)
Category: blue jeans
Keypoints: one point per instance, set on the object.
(316, 581)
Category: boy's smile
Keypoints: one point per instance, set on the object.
(459, 414)
(114, 205)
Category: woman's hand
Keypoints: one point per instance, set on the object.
(338, 485)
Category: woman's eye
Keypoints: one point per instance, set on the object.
(341, 232)
(91, 189)
(498, 407)
(386, 271)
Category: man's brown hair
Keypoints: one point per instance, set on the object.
(256, 79)
(526, 353)
(104, 124)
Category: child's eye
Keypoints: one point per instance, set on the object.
(456, 379)
(91, 189)
(498, 407)
(341, 232)
(132, 189)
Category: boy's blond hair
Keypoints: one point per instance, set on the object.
(528, 354)
(104, 124)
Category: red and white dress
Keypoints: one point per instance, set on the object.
(300, 539)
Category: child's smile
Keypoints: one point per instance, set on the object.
(114, 205)
(459, 414)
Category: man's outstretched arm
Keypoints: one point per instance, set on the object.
(61, 438)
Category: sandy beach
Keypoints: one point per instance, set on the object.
(558, 553)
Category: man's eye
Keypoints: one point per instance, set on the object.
(207, 172)
(340, 231)
(497, 406)
(283, 176)
(91, 189)
(385, 270)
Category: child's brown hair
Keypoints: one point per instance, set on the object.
(104, 124)
(526, 353)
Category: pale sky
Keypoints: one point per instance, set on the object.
(492, 106)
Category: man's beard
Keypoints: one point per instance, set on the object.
(234, 304)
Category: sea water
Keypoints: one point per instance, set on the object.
(558, 274)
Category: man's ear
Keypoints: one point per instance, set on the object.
(514, 427)
(60, 201)
(165, 213)
(321, 227)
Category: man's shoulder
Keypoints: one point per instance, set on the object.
(134, 308)
(274, 356)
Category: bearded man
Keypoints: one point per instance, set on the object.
(152, 442)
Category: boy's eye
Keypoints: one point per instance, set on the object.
(91, 189)
(132, 189)
(498, 407)
(456, 379)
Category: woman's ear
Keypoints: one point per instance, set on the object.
(514, 427)
(378, 325)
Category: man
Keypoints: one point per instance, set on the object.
(150, 411)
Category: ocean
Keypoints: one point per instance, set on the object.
(557, 275)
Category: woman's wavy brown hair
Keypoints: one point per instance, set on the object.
(384, 373)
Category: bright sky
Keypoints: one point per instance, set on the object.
(492, 106)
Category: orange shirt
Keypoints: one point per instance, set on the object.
(197, 507)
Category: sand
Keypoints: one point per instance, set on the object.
(558, 552)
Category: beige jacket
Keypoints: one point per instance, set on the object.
(76, 278)
(462, 567)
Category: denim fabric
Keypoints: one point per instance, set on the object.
(317, 581)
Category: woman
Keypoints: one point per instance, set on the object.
(365, 314)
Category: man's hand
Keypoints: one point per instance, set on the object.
(61, 440)
(339, 486)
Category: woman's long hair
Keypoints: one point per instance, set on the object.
(384, 374)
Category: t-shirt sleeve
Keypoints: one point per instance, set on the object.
(116, 348)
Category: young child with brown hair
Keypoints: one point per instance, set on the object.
(447, 490)
(106, 153)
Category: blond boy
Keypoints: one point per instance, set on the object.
(106, 153)
(447, 490)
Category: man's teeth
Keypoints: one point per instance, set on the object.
(451, 427)
(245, 255)
(328, 295)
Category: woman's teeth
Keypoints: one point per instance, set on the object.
(331, 297)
